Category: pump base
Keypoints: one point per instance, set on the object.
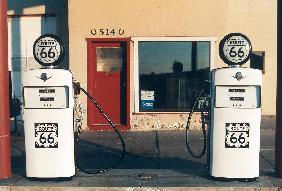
(234, 179)
(50, 179)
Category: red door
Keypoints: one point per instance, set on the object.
(108, 83)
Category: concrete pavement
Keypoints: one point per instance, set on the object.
(155, 160)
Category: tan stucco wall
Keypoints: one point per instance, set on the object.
(258, 20)
(196, 18)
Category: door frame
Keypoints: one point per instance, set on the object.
(90, 71)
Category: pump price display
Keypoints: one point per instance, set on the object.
(47, 91)
(237, 90)
(235, 49)
(48, 50)
(237, 135)
(46, 135)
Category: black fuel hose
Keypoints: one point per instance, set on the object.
(203, 129)
(115, 129)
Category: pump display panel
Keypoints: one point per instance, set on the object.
(46, 97)
(243, 97)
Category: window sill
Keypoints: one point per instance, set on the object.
(164, 113)
(159, 113)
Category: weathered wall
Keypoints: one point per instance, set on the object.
(160, 122)
(255, 18)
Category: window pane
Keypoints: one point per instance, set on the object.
(203, 55)
(171, 74)
(109, 59)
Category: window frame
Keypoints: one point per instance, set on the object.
(136, 41)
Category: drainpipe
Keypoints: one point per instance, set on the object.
(278, 138)
(5, 156)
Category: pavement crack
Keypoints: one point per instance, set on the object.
(157, 149)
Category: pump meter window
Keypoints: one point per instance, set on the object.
(46, 97)
(243, 97)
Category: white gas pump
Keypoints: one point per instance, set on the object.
(48, 123)
(48, 113)
(235, 113)
(235, 123)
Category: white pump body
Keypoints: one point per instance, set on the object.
(235, 122)
(48, 123)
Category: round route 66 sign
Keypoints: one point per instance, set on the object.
(48, 50)
(235, 49)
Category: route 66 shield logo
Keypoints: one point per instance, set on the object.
(237, 135)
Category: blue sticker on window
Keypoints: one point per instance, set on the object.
(147, 104)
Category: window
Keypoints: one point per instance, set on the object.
(257, 60)
(171, 73)
(109, 59)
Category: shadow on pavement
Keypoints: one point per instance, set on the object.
(93, 156)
